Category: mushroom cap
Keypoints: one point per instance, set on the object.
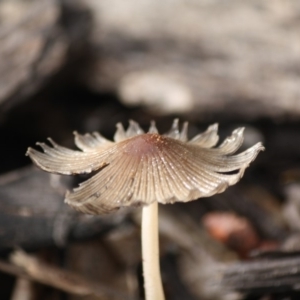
(140, 168)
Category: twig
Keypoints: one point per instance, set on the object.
(27, 266)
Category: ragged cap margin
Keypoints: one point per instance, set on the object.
(140, 168)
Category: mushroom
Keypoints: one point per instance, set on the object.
(146, 169)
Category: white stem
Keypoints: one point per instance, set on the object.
(150, 253)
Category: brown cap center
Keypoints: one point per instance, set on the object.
(144, 144)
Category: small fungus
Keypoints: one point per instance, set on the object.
(145, 169)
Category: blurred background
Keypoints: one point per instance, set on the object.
(80, 65)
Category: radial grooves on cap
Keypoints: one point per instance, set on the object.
(122, 194)
(90, 142)
(99, 186)
(151, 175)
(186, 174)
(115, 185)
(232, 143)
(62, 160)
(208, 138)
(175, 172)
(142, 168)
(220, 163)
(183, 172)
(61, 163)
(145, 188)
(162, 191)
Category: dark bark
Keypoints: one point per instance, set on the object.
(33, 213)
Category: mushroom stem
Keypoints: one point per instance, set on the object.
(150, 253)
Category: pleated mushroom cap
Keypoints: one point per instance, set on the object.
(140, 168)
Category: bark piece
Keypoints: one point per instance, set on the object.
(33, 213)
(37, 39)
(30, 267)
(32, 45)
(238, 56)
